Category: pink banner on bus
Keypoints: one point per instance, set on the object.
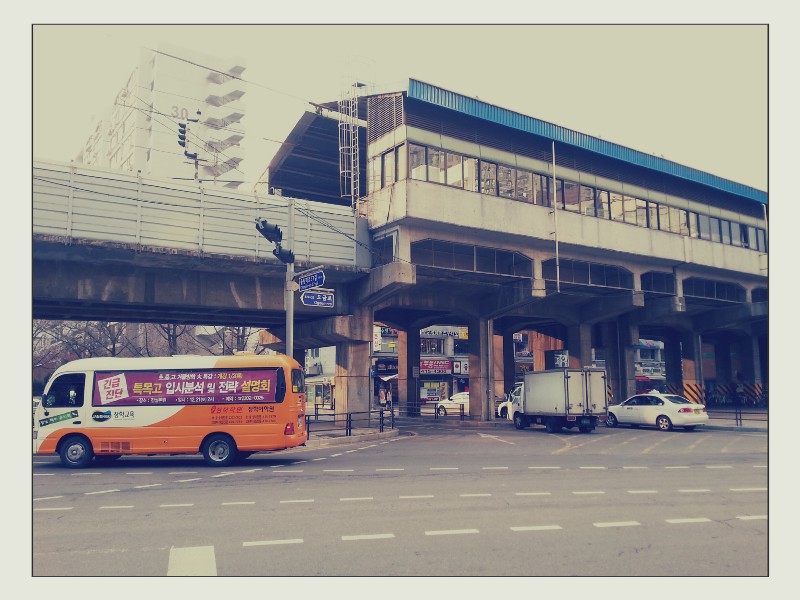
(170, 388)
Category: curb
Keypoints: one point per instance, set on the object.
(339, 440)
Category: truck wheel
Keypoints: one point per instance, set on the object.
(552, 426)
(585, 429)
(519, 421)
(219, 450)
(76, 452)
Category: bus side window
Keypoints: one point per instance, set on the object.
(66, 391)
(280, 387)
(298, 381)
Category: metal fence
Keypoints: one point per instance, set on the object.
(330, 423)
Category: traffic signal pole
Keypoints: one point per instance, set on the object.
(288, 294)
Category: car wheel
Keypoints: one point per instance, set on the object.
(519, 421)
(219, 450)
(663, 423)
(611, 420)
(689, 428)
(552, 426)
(441, 411)
(76, 452)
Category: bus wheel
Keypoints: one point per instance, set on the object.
(76, 452)
(219, 450)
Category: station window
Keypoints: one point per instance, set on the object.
(417, 163)
(505, 181)
(436, 165)
(588, 206)
(572, 198)
(455, 170)
(488, 178)
(470, 174)
(524, 185)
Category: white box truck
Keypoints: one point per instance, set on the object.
(561, 398)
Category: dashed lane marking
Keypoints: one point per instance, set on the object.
(289, 471)
(635, 468)
(337, 470)
(238, 503)
(85, 473)
(182, 473)
(452, 532)
(188, 480)
(494, 468)
(199, 560)
(356, 499)
(755, 489)
(368, 536)
(474, 495)
(593, 467)
(48, 498)
(642, 491)
(117, 506)
(699, 491)
(390, 469)
(149, 485)
(719, 466)
(544, 467)
(100, 492)
(273, 542)
(617, 524)
(677, 467)
(54, 508)
(174, 505)
(443, 469)
(688, 520)
(588, 493)
(307, 500)
(532, 494)
(752, 518)
(416, 497)
(537, 528)
(43, 474)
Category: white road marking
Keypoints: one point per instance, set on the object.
(537, 528)
(48, 498)
(642, 491)
(188, 480)
(494, 468)
(273, 542)
(474, 495)
(752, 518)
(719, 466)
(138, 487)
(700, 491)
(760, 466)
(676, 467)
(335, 455)
(544, 467)
(337, 470)
(290, 471)
(443, 469)
(349, 451)
(54, 508)
(755, 489)
(593, 467)
(43, 474)
(222, 475)
(118, 506)
(100, 492)
(182, 473)
(451, 532)
(141, 473)
(299, 462)
(390, 469)
(237, 503)
(617, 524)
(356, 499)
(173, 505)
(635, 467)
(199, 560)
(370, 536)
(415, 497)
(690, 520)
(86, 473)
(296, 501)
(532, 494)
(495, 438)
(588, 493)
(321, 458)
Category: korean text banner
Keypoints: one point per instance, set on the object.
(169, 388)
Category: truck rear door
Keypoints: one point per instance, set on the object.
(576, 393)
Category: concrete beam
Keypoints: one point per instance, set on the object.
(604, 308)
(512, 297)
(386, 281)
(731, 317)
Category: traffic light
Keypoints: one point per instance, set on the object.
(270, 231)
(283, 254)
(182, 134)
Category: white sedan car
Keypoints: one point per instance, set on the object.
(452, 406)
(662, 410)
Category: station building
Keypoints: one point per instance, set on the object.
(500, 223)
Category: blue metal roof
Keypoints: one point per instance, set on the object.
(425, 92)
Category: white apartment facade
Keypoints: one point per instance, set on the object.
(168, 87)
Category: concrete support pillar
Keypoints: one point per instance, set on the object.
(509, 365)
(407, 359)
(579, 345)
(498, 369)
(481, 402)
(723, 361)
(672, 363)
(692, 365)
(611, 354)
(629, 338)
(353, 386)
(755, 360)
(619, 340)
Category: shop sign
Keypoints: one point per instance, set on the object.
(435, 366)
(428, 394)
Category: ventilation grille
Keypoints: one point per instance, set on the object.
(384, 114)
(114, 447)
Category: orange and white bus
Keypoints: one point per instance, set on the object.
(223, 407)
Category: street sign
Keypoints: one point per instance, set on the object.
(313, 298)
(311, 280)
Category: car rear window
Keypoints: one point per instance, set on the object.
(678, 400)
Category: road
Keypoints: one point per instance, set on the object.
(433, 501)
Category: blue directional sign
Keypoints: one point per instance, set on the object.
(324, 299)
(311, 280)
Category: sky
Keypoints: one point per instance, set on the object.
(694, 94)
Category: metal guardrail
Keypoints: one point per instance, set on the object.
(738, 415)
(322, 421)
